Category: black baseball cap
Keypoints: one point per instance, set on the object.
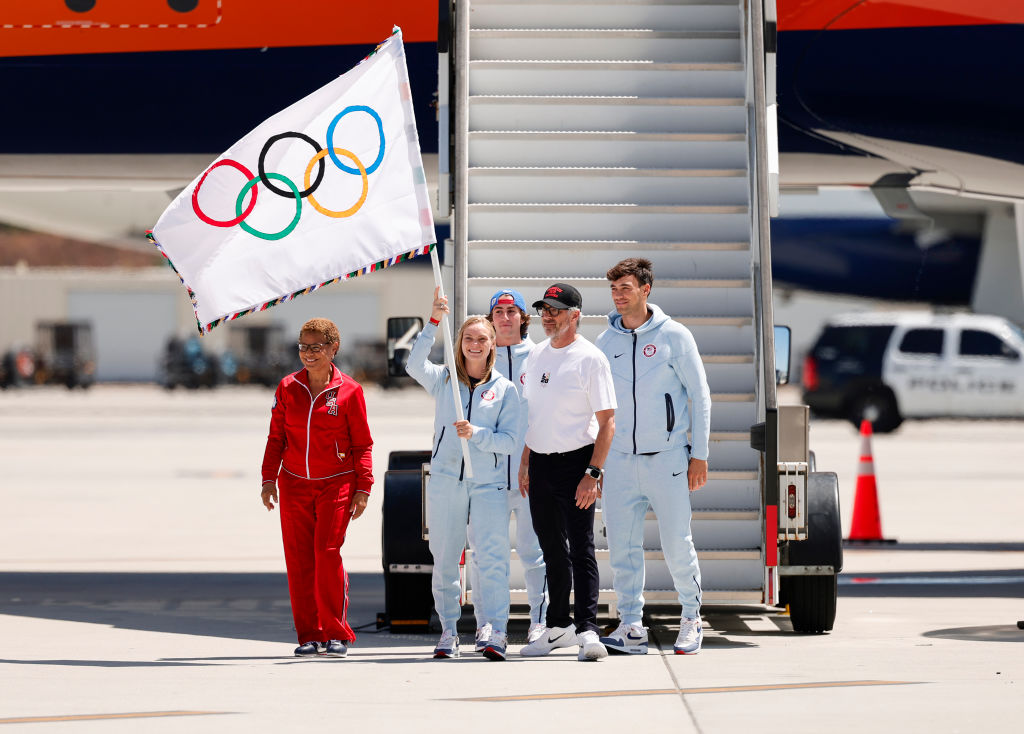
(561, 295)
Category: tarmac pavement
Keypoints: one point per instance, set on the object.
(142, 588)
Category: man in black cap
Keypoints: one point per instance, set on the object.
(571, 399)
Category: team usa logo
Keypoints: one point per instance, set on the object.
(332, 402)
(487, 395)
(650, 350)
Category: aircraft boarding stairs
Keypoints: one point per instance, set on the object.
(602, 130)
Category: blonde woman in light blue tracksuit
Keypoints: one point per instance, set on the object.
(491, 408)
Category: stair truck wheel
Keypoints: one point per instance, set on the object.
(408, 603)
(811, 592)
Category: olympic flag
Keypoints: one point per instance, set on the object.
(325, 190)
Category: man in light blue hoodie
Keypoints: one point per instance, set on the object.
(656, 369)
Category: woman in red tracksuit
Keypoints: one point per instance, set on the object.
(318, 456)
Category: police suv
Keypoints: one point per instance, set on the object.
(891, 366)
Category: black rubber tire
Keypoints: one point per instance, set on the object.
(882, 403)
(812, 602)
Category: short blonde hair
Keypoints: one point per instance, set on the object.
(460, 358)
(324, 327)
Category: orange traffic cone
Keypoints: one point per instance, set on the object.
(867, 520)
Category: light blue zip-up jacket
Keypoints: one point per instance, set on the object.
(492, 407)
(656, 368)
(511, 362)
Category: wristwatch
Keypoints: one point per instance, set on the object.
(595, 471)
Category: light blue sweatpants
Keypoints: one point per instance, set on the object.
(631, 482)
(530, 556)
(450, 503)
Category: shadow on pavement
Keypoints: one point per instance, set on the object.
(245, 606)
(986, 633)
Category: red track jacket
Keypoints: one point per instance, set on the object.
(319, 436)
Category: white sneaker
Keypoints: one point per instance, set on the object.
(551, 638)
(590, 646)
(691, 634)
(627, 639)
(447, 646)
(483, 636)
(536, 630)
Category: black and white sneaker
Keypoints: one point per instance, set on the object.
(553, 638)
(307, 650)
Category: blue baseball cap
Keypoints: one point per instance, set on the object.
(504, 294)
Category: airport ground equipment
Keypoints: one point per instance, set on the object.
(65, 354)
(264, 353)
(186, 364)
(583, 133)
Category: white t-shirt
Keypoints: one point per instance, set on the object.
(564, 388)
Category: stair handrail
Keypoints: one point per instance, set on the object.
(460, 228)
(757, 110)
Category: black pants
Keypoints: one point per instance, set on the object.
(566, 535)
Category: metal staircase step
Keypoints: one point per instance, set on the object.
(639, 114)
(704, 515)
(520, 136)
(614, 245)
(605, 45)
(604, 99)
(605, 78)
(648, 186)
(534, 207)
(611, 224)
(575, 149)
(696, 15)
(703, 556)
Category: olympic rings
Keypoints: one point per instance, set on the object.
(380, 131)
(316, 205)
(298, 207)
(293, 190)
(241, 215)
(263, 157)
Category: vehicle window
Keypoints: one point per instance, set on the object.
(974, 343)
(852, 340)
(922, 341)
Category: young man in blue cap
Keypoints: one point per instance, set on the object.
(508, 315)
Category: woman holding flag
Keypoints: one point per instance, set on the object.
(455, 495)
(318, 457)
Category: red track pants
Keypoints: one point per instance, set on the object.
(314, 519)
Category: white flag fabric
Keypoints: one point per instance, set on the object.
(330, 188)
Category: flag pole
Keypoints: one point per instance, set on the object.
(449, 358)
